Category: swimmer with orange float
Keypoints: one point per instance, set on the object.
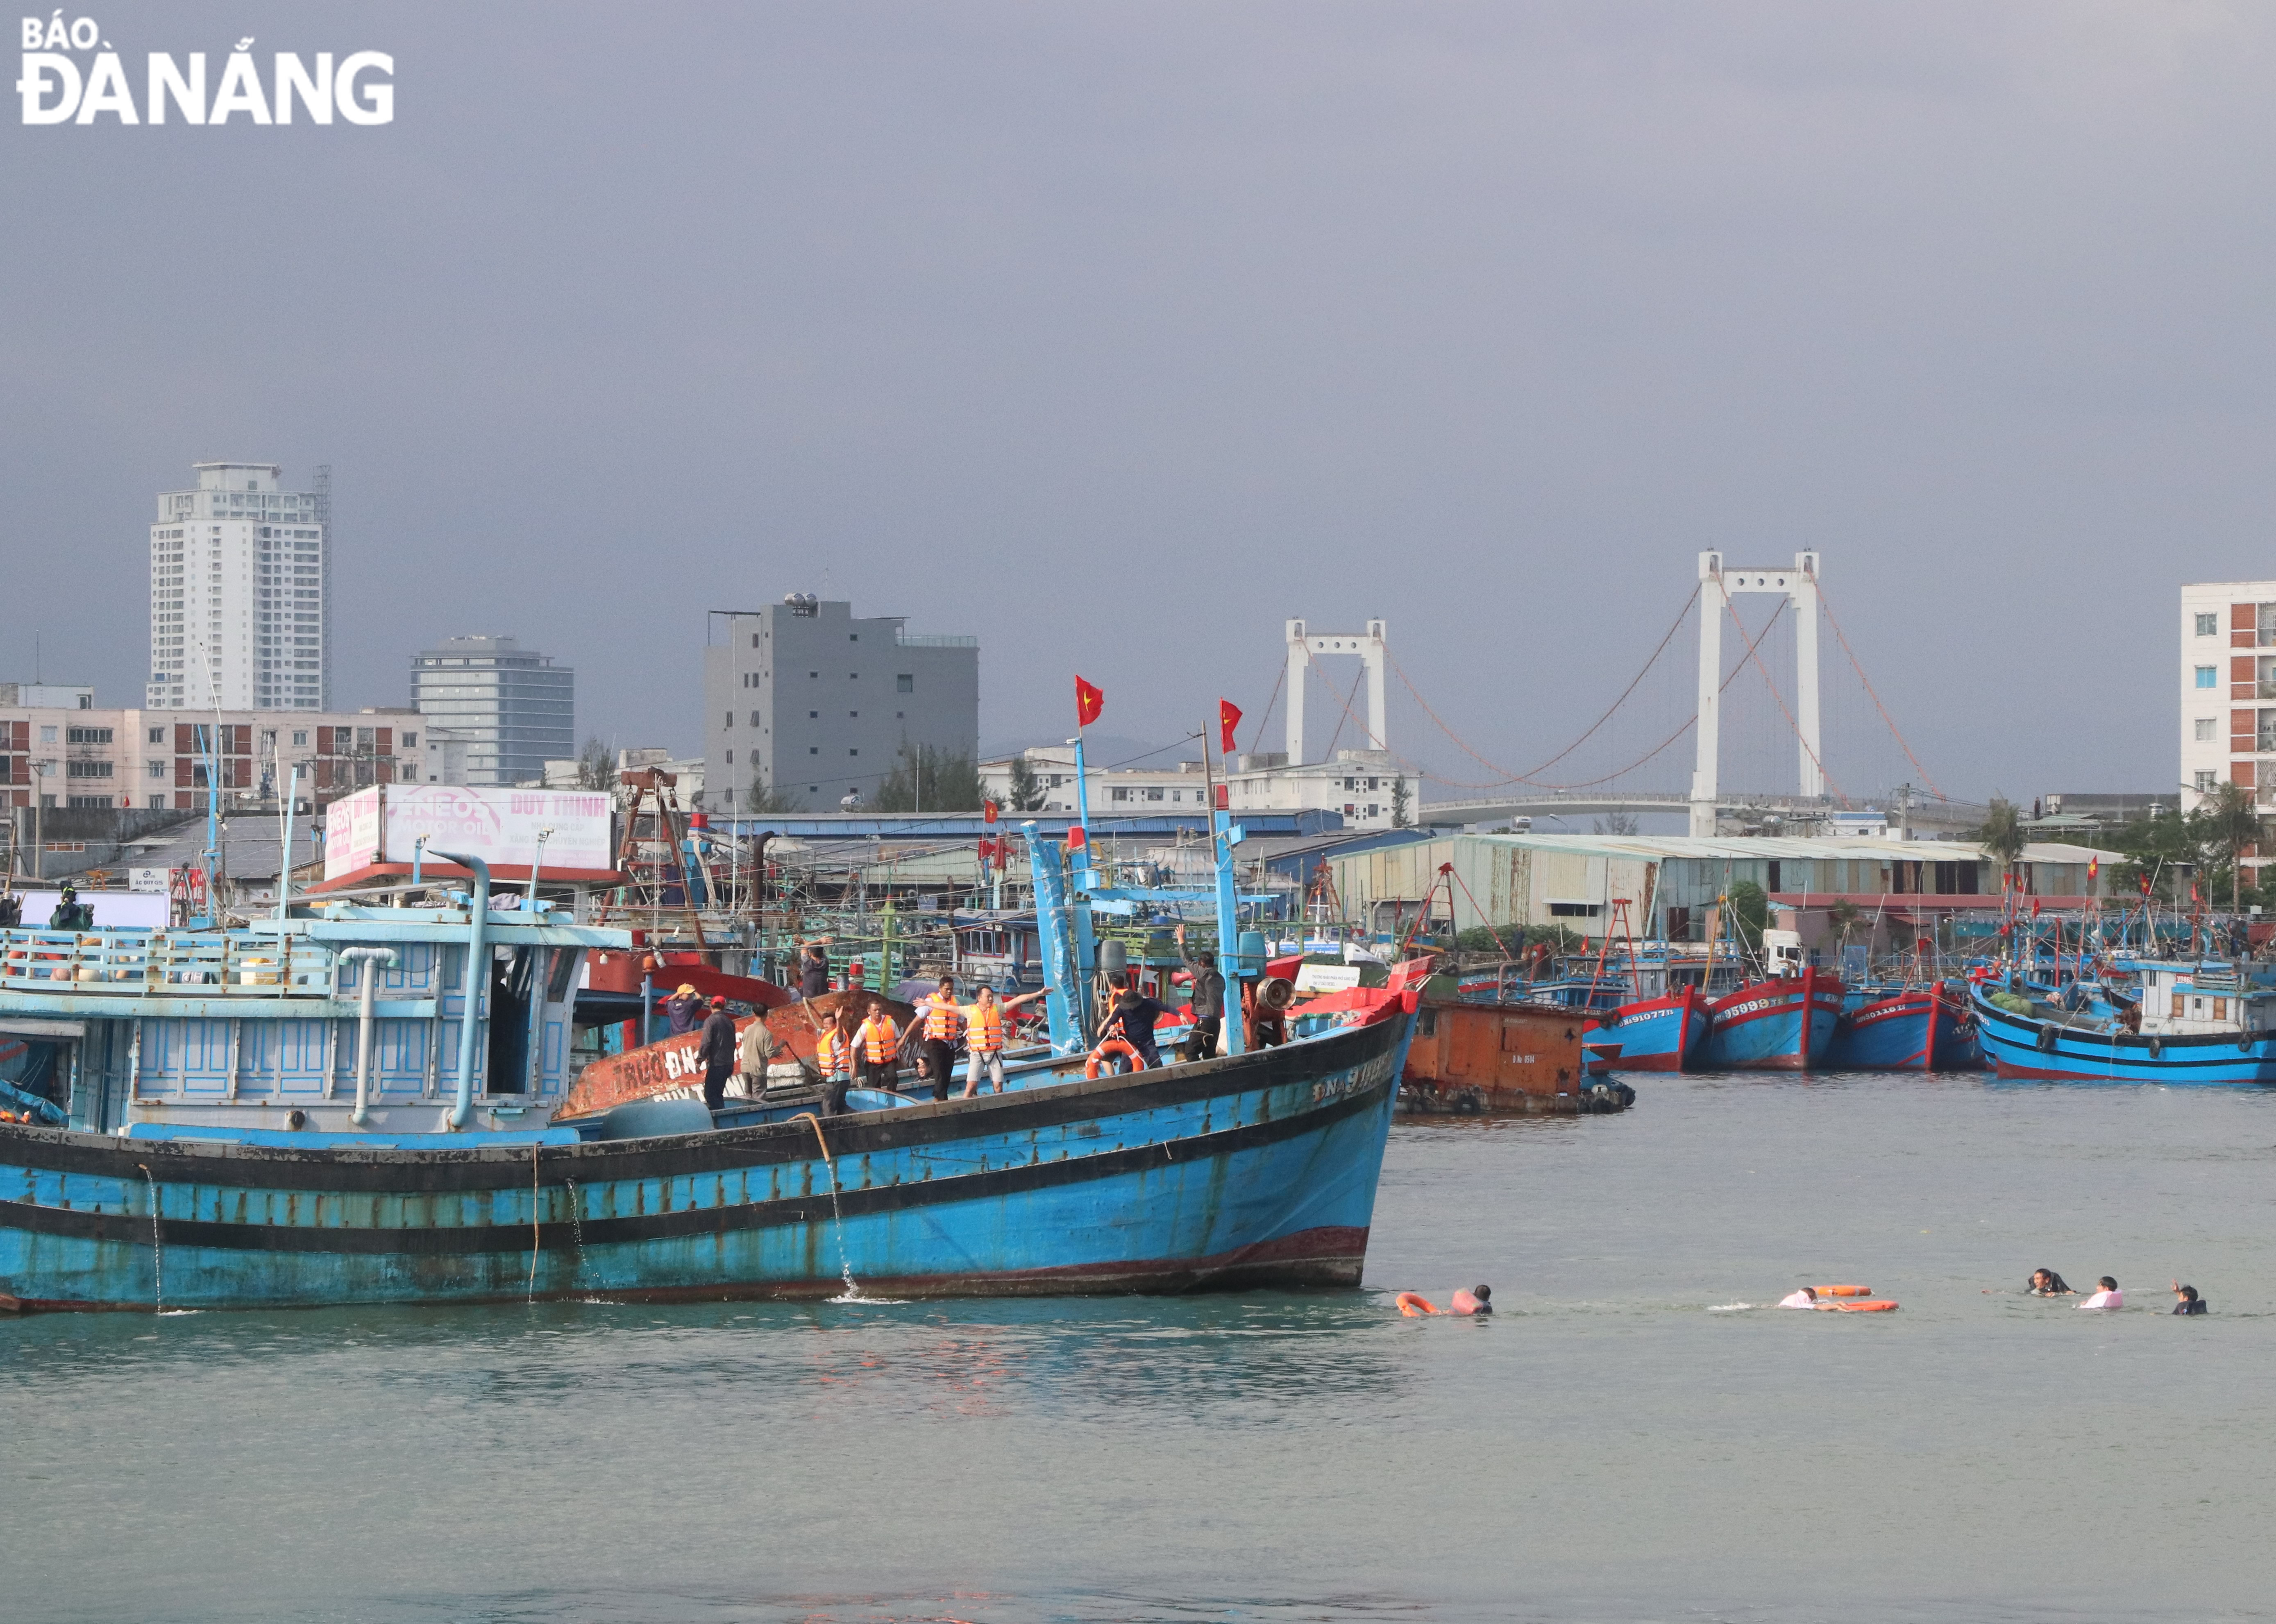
(1837, 1299)
(1414, 1305)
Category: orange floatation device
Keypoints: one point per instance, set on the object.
(1843, 1291)
(1414, 1305)
(1879, 1305)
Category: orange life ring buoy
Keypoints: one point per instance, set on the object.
(1843, 1291)
(1113, 1046)
(1879, 1305)
(1414, 1305)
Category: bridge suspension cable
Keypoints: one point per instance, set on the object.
(1773, 687)
(1527, 778)
(1894, 732)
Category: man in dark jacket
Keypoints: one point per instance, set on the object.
(683, 1011)
(716, 1051)
(814, 972)
(1208, 1001)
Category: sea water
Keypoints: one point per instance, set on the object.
(1606, 1447)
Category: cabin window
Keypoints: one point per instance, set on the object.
(1428, 1026)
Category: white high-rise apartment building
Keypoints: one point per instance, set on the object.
(239, 571)
(2228, 688)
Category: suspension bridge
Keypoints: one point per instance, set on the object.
(1624, 762)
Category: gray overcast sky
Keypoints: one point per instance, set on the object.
(1117, 334)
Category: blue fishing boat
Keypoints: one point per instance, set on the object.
(213, 1151)
(1783, 1022)
(2207, 1022)
(1903, 1028)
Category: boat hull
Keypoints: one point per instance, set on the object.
(1469, 1059)
(1662, 1034)
(1917, 1030)
(1256, 1169)
(1783, 1025)
(2021, 1049)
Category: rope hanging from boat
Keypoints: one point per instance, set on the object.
(1895, 731)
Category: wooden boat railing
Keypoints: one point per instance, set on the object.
(128, 963)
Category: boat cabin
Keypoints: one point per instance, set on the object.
(2191, 999)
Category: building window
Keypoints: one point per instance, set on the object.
(729, 722)
(1153, 794)
(1118, 794)
(854, 637)
(755, 718)
(2205, 674)
(86, 735)
(814, 716)
(2204, 728)
(2209, 625)
(155, 770)
(906, 683)
(157, 735)
(855, 714)
(731, 758)
(2205, 781)
(410, 740)
(1373, 809)
(853, 752)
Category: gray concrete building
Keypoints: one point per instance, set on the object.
(512, 708)
(808, 700)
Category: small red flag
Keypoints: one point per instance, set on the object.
(2035, 907)
(988, 810)
(1228, 718)
(2093, 867)
(1088, 701)
(2144, 880)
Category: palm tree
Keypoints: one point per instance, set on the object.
(1843, 916)
(2002, 833)
(2232, 822)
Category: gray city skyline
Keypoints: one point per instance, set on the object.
(1117, 335)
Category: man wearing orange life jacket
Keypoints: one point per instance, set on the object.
(876, 1048)
(833, 1051)
(984, 1036)
(941, 1014)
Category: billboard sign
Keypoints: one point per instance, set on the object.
(383, 824)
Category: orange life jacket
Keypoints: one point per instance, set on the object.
(878, 1036)
(940, 1017)
(987, 1027)
(827, 1051)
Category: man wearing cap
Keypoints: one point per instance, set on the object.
(717, 1053)
(683, 1009)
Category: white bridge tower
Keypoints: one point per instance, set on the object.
(1717, 585)
(1302, 645)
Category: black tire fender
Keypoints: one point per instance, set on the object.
(2046, 1038)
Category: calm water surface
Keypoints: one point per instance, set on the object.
(1610, 1447)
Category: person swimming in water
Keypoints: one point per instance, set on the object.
(1479, 1301)
(1806, 1298)
(2047, 1283)
(2108, 1297)
(2185, 1299)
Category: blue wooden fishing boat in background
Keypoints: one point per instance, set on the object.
(353, 1105)
(1783, 1022)
(1920, 1029)
(2203, 1022)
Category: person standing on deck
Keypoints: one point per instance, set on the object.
(1137, 1013)
(876, 1048)
(834, 1058)
(718, 1052)
(813, 971)
(984, 1028)
(754, 1054)
(683, 1009)
(1208, 1001)
(941, 1014)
